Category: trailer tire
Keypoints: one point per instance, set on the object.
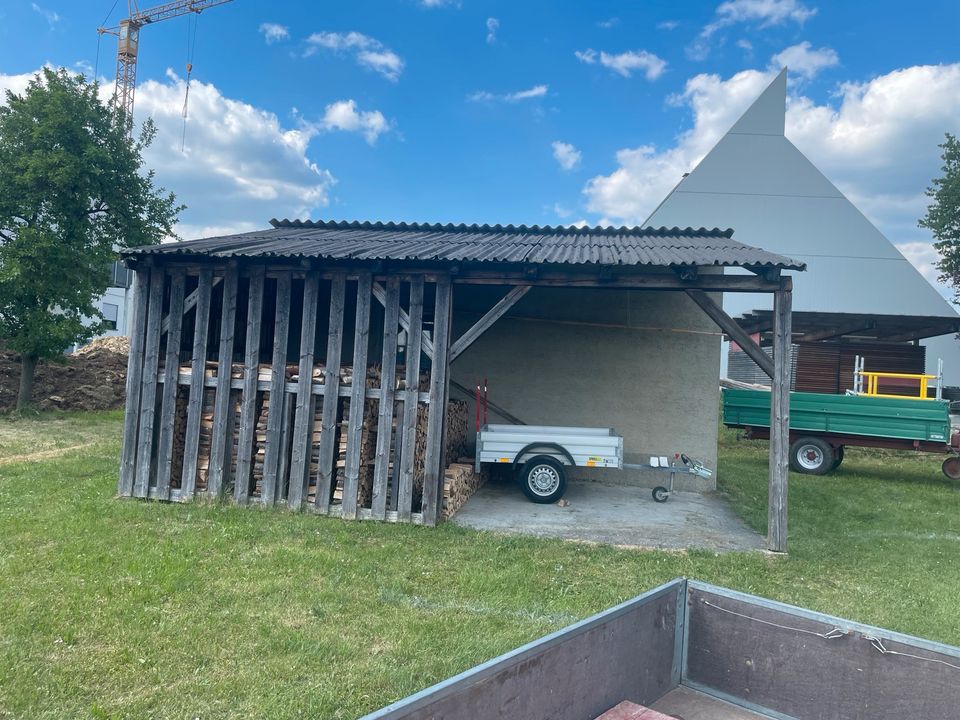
(543, 479)
(811, 456)
(837, 457)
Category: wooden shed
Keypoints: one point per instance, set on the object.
(310, 363)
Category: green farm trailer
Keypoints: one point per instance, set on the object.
(822, 425)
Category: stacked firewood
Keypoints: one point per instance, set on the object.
(455, 445)
(368, 438)
(459, 483)
(264, 374)
(179, 435)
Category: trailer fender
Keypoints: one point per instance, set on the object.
(535, 447)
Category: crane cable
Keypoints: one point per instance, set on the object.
(191, 47)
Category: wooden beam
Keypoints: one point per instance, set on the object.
(148, 397)
(189, 302)
(220, 441)
(426, 344)
(439, 390)
(248, 402)
(171, 370)
(730, 327)
(131, 416)
(273, 449)
(303, 422)
(198, 363)
(331, 386)
(705, 283)
(361, 342)
(851, 328)
(919, 333)
(408, 428)
(388, 384)
(779, 423)
(487, 321)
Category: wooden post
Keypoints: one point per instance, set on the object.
(171, 374)
(361, 342)
(425, 343)
(408, 428)
(220, 441)
(388, 384)
(303, 423)
(273, 449)
(189, 302)
(331, 389)
(131, 417)
(251, 371)
(439, 388)
(487, 321)
(198, 364)
(148, 398)
(780, 420)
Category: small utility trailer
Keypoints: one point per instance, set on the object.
(691, 650)
(821, 425)
(540, 454)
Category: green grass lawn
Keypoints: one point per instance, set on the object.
(115, 608)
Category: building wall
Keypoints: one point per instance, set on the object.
(642, 362)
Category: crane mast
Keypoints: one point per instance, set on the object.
(128, 44)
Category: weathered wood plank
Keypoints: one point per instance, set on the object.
(408, 446)
(221, 442)
(189, 302)
(303, 423)
(487, 321)
(286, 430)
(248, 402)
(361, 342)
(331, 385)
(780, 421)
(381, 468)
(201, 329)
(381, 295)
(171, 367)
(439, 390)
(148, 398)
(273, 448)
(731, 328)
(131, 416)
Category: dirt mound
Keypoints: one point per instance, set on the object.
(92, 378)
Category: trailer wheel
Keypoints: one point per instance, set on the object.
(812, 456)
(951, 467)
(543, 479)
(660, 494)
(837, 457)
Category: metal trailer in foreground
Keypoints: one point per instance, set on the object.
(821, 425)
(693, 650)
(540, 455)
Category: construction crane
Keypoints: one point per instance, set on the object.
(128, 42)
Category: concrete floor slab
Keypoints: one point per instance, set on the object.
(613, 514)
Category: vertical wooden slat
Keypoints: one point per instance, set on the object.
(198, 363)
(780, 420)
(408, 428)
(283, 463)
(361, 342)
(273, 447)
(171, 368)
(331, 385)
(437, 415)
(148, 398)
(221, 442)
(388, 383)
(131, 417)
(251, 369)
(303, 423)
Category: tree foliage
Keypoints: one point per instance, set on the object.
(943, 214)
(73, 189)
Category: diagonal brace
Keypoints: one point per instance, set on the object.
(733, 330)
(381, 295)
(189, 302)
(487, 321)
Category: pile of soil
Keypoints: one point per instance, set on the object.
(92, 378)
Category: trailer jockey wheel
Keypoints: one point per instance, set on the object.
(951, 467)
(543, 479)
(660, 494)
(812, 456)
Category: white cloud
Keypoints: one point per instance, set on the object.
(566, 155)
(272, 32)
(50, 16)
(537, 91)
(367, 51)
(608, 23)
(492, 26)
(439, 3)
(343, 115)
(763, 13)
(561, 212)
(240, 166)
(745, 44)
(668, 25)
(803, 60)
(625, 63)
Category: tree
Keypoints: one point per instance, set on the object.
(943, 214)
(73, 190)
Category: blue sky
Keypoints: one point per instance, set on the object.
(523, 112)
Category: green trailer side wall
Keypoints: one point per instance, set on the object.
(847, 414)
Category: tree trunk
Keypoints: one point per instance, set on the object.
(28, 366)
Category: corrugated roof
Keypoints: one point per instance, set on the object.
(662, 247)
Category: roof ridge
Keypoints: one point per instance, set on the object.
(635, 230)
